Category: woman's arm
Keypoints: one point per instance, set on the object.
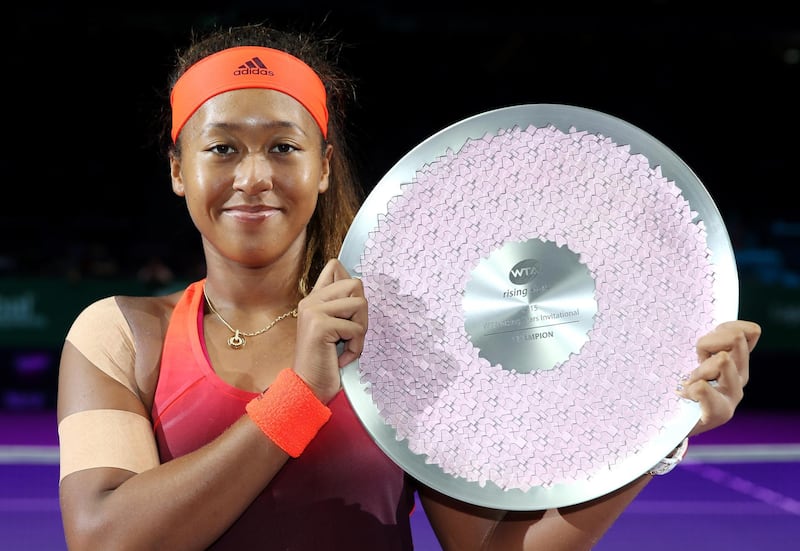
(463, 527)
(183, 504)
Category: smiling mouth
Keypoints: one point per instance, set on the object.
(256, 213)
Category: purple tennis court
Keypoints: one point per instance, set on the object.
(737, 490)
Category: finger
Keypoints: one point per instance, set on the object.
(738, 338)
(708, 370)
(333, 271)
(352, 329)
(727, 336)
(721, 373)
(339, 271)
(317, 313)
(353, 348)
(331, 291)
(344, 288)
(343, 299)
(751, 330)
(715, 407)
(350, 333)
(717, 386)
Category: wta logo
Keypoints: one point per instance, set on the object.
(253, 67)
(524, 271)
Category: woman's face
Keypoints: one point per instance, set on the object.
(251, 170)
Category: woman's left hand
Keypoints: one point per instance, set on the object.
(718, 382)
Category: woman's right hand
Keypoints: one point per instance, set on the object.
(334, 311)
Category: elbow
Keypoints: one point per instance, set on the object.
(86, 534)
(90, 532)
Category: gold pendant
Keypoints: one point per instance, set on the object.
(236, 341)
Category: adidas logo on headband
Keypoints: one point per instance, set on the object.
(253, 67)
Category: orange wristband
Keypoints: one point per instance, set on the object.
(288, 413)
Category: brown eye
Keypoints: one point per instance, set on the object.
(222, 149)
(283, 148)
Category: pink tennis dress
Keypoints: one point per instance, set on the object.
(343, 492)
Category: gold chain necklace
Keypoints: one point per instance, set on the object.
(238, 341)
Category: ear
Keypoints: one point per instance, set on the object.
(324, 181)
(176, 176)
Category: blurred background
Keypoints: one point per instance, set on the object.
(88, 210)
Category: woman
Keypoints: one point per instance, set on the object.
(167, 440)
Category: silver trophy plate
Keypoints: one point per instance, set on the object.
(537, 278)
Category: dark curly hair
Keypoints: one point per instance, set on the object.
(336, 207)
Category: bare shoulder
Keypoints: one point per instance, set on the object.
(148, 319)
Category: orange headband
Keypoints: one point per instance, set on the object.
(247, 67)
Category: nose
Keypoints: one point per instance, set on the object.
(253, 175)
